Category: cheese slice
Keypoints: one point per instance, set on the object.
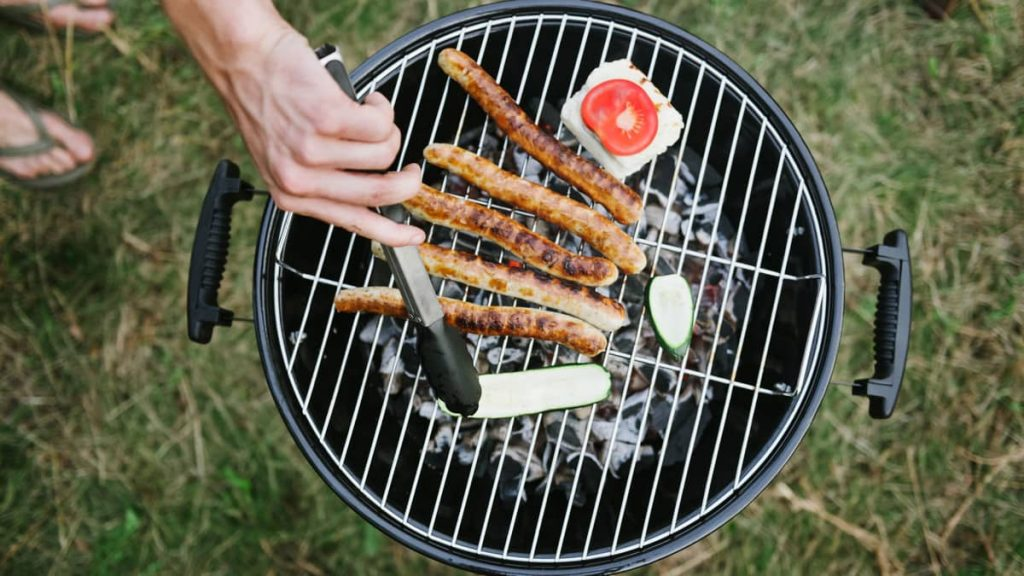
(670, 122)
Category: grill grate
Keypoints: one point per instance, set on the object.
(322, 351)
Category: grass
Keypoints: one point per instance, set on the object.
(125, 449)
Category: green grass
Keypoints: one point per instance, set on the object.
(125, 449)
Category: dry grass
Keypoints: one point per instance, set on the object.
(125, 449)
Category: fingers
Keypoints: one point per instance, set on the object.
(347, 136)
(345, 154)
(356, 219)
(369, 224)
(343, 198)
(355, 188)
(378, 101)
(373, 121)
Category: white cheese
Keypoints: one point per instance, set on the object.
(670, 122)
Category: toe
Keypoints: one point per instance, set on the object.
(17, 167)
(46, 164)
(49, 163)
(32, 167)
(76, 142)
(60, 161)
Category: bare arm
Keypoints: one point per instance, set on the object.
(306, 136)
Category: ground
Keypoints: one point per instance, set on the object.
(126, 449)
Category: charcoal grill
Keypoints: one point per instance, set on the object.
(737, 206)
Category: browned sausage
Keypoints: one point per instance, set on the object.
(486, 320)
(472, 270)
(620, 200)
(560, 210)
(536, 250)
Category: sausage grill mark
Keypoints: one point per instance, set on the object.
(485, 320)
(467, 216)
(620, 200)
(560, 210)
(579, 301)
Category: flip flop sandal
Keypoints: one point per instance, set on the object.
(44, 143)
(30, 15)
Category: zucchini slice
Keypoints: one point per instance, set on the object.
(511, 394)
(670, 305)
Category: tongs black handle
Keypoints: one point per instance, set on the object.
(892, 323)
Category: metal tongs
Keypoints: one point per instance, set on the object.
(443, 354)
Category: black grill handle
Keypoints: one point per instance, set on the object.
(210, 251)
(892, 324)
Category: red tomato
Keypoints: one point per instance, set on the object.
(622, 115)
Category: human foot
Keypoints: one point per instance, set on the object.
(85, 15)
(40, 151)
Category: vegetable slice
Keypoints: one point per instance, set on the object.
(670, 305)
(511, 394)
(622, 116)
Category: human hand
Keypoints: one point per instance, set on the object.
(310, 141)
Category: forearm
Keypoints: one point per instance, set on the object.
(312, 144)
(225, 36)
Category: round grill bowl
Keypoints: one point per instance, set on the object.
(384, 454)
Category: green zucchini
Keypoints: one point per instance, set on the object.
(511, 394)
(670, 306)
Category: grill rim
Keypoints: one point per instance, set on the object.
(820, 374)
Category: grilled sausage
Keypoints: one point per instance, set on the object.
(620, 200)
(558, 209)
(472, 270)
(485, 320)
(536, 250)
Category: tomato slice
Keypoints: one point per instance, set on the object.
(622, 115)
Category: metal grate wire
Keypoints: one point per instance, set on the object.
(414, 66)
